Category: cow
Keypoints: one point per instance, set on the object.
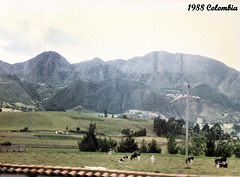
(223, 165)
(121, 160)
(134, 155)
(221, 162)
(190, 160)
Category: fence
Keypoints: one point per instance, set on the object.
(13, 148)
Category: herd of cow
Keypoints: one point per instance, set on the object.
(133, 156)
(219, 162)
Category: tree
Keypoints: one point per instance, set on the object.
(143, 148)
(105, 144)
(160, 126)
(198, 145)
(171, 145)
(89, 142)
(206, 128)
(175, 126)
(181, 147)
(180, 123)
(127, 132)
(153, 147)
(224, 149)
(236, 150)
(141, 132)
(215, 132)
(105, 113)
(196, 128)
(210, 148)
(127, 145)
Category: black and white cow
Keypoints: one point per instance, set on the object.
(221, 162)
(134, 155)
(190, 160)
(223, 165)
(123, 158)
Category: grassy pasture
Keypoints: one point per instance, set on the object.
(164, 163)
(53, 121)
(44, 124)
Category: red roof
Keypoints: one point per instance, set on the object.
(34, 170)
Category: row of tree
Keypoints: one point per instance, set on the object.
(91, 143)
(164, 127)
(129, 132)
(208, 141)
(201, 146)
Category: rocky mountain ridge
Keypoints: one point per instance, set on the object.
(154, 82)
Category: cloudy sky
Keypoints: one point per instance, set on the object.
(117, 29)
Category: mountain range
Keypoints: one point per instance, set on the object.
(155, 82)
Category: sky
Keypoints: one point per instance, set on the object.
(117, 29)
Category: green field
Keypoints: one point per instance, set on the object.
(42, 126)
(164, 163)
(53, 121)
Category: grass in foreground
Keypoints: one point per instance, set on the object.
(165, 163)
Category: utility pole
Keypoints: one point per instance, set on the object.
(187, 117)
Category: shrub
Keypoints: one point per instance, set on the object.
(127, 132)
(141, 132)
(89, 142)
(237, 150)
(224, 149)
(172, 145)
(7, 143)
(182, 149)
(128, 145)
(153, 147)
(143, 148)
(105, 144)
(198, 145)
(210, 148)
